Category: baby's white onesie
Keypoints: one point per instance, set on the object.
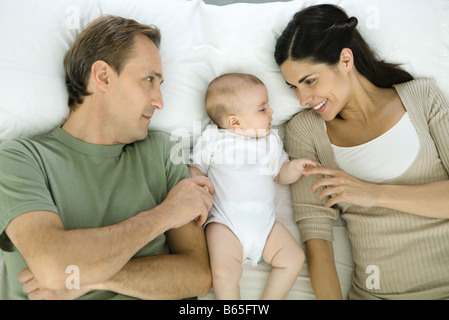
(242, 170)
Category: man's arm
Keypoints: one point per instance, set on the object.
(100, 253)
(182, 274)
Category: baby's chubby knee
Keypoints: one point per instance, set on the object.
(294, 257)
(297, 258)
(223, 274)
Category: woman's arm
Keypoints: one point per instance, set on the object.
(429, 200)
(304, 136)
(322, 270)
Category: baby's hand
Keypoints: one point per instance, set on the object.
(293, 170)
(302, 164)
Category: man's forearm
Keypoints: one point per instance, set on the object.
(171, 276)
(99, 253)
(182, 274)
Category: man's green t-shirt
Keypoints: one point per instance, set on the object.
(87, 185)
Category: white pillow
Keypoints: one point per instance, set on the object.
(199, 42)
(184, 66)
(34, 36)
(241, 38)
(414, 33)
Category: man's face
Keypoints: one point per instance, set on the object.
(135, 93)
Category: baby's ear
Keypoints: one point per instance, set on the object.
(233, 121)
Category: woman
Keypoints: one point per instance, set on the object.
(383, 141)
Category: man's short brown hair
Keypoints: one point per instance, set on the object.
(109, 39)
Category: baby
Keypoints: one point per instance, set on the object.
(243, 157)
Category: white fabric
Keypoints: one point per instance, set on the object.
(383, 158)
(242, 170)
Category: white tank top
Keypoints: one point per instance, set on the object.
(383, 158)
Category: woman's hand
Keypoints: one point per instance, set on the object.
(342, 187)
(427, 200)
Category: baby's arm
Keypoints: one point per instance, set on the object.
(194, 172)
(292, 171)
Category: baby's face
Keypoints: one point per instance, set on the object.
(255, 114)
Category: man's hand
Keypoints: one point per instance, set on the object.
(36, 291)
(191, 199)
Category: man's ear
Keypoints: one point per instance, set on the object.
(233, 121)
(100, 74)
(346, 60)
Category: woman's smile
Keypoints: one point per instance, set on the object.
(319, 108)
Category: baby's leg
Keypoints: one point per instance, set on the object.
(225, 254)
(287, 258)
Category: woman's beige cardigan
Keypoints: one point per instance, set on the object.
(407, 253)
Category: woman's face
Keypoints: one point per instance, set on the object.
(320, 87)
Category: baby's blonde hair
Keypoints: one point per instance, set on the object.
(221, 95)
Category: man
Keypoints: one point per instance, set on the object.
(95, 209)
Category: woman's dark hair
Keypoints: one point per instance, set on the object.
(319, 34)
